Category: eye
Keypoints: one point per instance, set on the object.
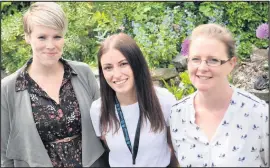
(107, 68)
(41, 37)
(122, 64)
(213, 60)
(195, 59)
(58, 37)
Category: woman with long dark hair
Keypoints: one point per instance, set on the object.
(131, 116)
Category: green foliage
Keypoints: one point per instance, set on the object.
(79, 42)
(156, 37)
(230, 79)
(14, 49)
(10, 8)
(159, 28)
(186, 88)
(244, 17)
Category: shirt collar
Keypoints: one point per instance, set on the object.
(22, 81)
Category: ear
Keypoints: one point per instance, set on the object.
(233, 61)
(27, 38)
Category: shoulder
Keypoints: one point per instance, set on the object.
(82, 69)
(251, 104)
(96, 105)
(182, 107)
(164, 95)
(166, 100)
(247, 97)
(9, 80)
(78, 65)
(186, 100)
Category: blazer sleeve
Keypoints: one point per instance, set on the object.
(93, 85)
(5, 129)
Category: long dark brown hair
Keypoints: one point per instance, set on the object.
(147, 99)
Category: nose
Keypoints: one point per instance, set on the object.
(117, 72)
(50, 44)
(203, 66)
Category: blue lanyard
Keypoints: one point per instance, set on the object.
(125, 132)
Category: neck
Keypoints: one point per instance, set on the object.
(127, 98)
(41, 70)
(214, 100)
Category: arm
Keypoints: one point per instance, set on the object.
(5, 130)
(169, 102)
(95, 117)
(174, 161)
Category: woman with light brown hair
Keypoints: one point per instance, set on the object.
(218, 125)
(45, 105)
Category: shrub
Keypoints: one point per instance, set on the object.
(159, 28)
(184, 89)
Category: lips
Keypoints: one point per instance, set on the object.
(120, 82)
(203, 77)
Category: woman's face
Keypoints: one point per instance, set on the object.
(117, 72)
(47, 45)
(203, 76)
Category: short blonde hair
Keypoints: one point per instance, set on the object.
(218, 32)
(48, 14)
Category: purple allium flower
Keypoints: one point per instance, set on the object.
(184, 47)
(262, 31)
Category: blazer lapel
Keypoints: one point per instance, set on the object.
(91, 145)
(25, 143)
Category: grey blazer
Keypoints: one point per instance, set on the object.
(21, 145)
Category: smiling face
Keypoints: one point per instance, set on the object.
(205, 77)
(117, 72)
(47, 45)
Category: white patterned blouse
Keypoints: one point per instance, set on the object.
(241, 139)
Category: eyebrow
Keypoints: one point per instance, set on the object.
(122, 60)
(118, 62)
(56, 34)
(209, 56)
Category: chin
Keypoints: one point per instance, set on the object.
(203, 88)
(122, 90)
(50, 63)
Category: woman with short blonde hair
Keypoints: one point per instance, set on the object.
(48, 14)
(44, 105)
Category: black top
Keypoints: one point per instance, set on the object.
(56, 121)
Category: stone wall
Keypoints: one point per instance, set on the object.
(251, 75)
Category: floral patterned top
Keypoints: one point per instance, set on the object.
(56, 121)
(241, 139)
